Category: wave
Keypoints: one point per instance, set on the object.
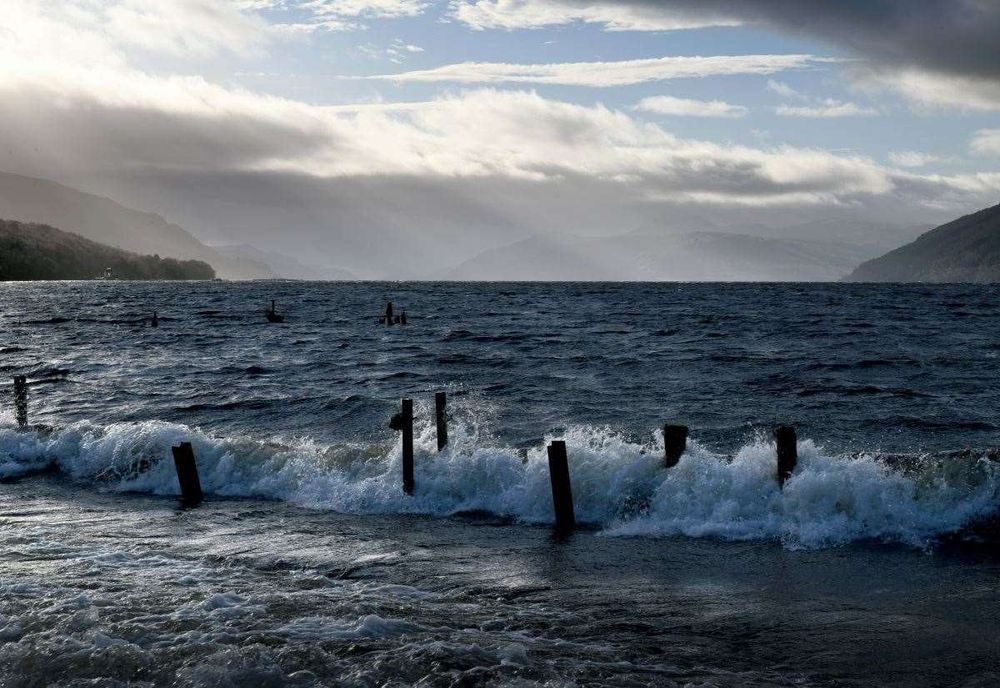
(619, 486)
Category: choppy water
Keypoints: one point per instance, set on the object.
(706, 574)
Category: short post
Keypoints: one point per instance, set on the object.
(187, 474)
(440, 403)
(562, 493)
(21, 400)
(788, 454)
(155, 322)
(408, 483)
(675, 439)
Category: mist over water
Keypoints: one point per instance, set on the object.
(309, 566)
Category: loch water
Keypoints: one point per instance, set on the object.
(308, 566)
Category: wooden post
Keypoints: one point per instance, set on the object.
(21, 400)
(407, 428)
(788, 454)
(675, 439)
(440, 402)
(562, 493)
(155, 322)
(187, 473)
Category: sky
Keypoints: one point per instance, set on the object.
(338, 129)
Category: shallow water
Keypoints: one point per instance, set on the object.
(705, 574)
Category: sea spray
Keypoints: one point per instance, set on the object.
(619, 486)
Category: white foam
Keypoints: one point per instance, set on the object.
(618, 485)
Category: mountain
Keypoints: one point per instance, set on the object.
(40, 252)
(27, 199)
(965, 250)
(282, 266)
(642, 255)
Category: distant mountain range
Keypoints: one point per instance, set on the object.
(646, 255)
(40, 252)
(280, 265)
(965, 250)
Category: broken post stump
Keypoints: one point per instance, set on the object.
(788, 454)
(562, 493)
(21, 400)
(407, 429)
(440, 404)
(674, 443)
(187, 474)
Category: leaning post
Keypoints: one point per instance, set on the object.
(408, 483)
(440, 406)
(562, 493)
(187, 474)
(674, 443)
(788, 454)
(21, 400)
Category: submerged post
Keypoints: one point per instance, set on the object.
(440, 402)
(562, 494)
(21, 400)
(788, 454)
(407, 422)
(187, 474)
(675, 439)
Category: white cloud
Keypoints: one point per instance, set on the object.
(912, 158)
(606, 74)
(985, 142)
(828, 108)
(615, 16)
(337, 15)
(931, 91)
(782, 89)
(105, 32)
(684, 107)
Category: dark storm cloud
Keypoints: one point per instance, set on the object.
(955, 36)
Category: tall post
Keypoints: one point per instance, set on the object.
(562, 493)
(675, 439)
(440, 404)
(788, 453)
(21, 400)
(407, 429)
(187, 473)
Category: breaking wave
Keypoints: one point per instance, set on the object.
(619, 486)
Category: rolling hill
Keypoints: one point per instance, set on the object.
(964, 250)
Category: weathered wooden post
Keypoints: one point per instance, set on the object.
(788, 453)
(440, 403)
(675, 439)
(21, 400)
(562, 493)
(155, 322)
(408, 483)
(187, 474)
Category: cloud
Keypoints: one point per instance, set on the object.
(912, 158)
(953, 36)
(535, 14)
(336, 15)
(935, 53)
(683, 107)
(605, 74)
(930, 91)
(783, 89)
(104, 32)
(985, 142)
(828, 108)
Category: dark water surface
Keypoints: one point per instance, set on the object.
(307, 566)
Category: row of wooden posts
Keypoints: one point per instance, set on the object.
(674, 446)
